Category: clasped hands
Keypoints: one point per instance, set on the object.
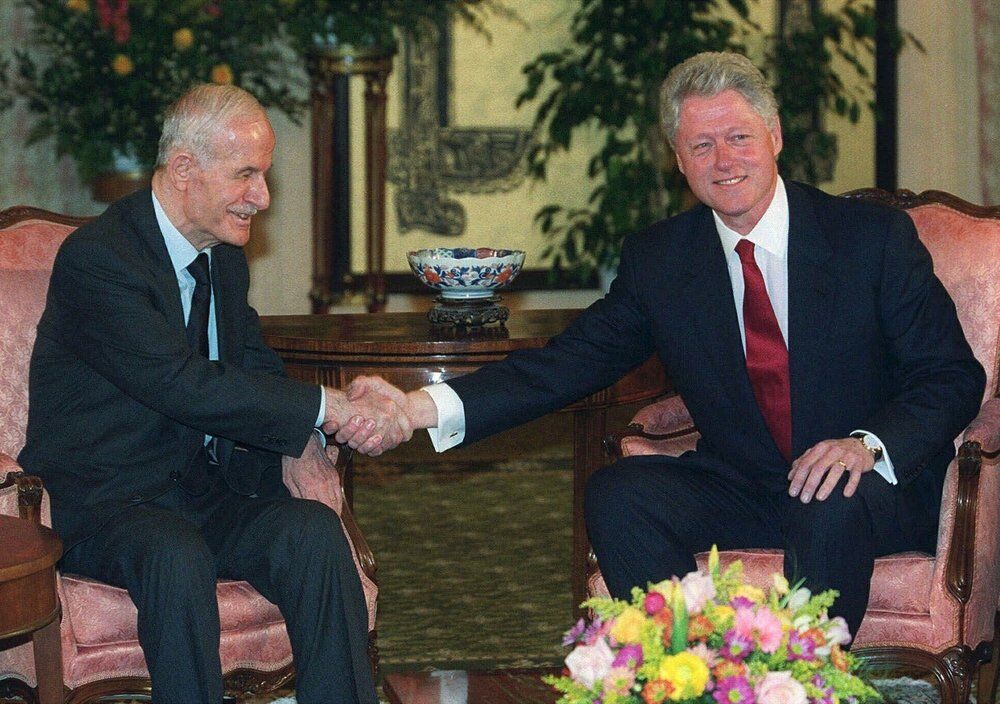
(373, 416)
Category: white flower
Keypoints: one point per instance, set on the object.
(799, 598)
(590, 663)
(698, 589)
(780, 688)
(837, 632)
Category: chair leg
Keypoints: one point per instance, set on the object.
(986, 686)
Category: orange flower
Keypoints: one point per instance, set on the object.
(122, 65)
(838, 658)
(222, 74)
(727, 668)
(656, 691)
(699, 627)
(183, 39)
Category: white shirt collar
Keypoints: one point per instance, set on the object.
(181, 251)
(771, 231)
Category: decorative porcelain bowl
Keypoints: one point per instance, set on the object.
(466, 273)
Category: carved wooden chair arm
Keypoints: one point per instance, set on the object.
(613, 441)
(981, 447)
(985, 430)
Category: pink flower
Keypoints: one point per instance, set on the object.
(619, 680)
(589, 664)
(780, 688)
(654, 603)
(761, 626)
(698, 589)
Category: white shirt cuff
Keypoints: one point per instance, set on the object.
(322, 408)
(883, 466)
(450, 430)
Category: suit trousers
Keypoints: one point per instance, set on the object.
(647, 516)
(168, 554)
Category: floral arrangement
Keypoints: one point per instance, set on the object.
(712, 639)
(101, 72)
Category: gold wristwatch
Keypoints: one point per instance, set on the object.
(874, 449)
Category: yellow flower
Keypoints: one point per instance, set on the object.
(748, 591)
(222, 74)
(122, 65)
(183, 39)
(628, 626)
(780, 583)
(686, 672)
(78, 5)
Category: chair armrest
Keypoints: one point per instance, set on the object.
(318, 475)
(985, 429)
(981, 447)
(663, 427)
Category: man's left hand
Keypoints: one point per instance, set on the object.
(817, 471)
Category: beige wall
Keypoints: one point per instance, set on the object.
(938, 104)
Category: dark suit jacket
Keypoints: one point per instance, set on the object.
(119, 404)
(874, 343)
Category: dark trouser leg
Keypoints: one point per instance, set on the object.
(648, 516)
(833, 543)
(168, 570)
(294, 552)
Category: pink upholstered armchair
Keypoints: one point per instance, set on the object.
(936, 613)
(100, 650)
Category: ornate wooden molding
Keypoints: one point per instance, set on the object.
(20, 213)
(906, 199)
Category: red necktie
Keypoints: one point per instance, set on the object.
(767, 357)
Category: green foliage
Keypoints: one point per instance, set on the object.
(370, 23)
(608, 79)
(99, 80)
(102, 72)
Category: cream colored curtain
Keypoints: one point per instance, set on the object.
(986, 20)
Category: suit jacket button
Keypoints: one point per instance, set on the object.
(135, 498)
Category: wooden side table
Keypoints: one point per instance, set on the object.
(29, 598)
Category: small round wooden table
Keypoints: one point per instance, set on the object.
(29, 599)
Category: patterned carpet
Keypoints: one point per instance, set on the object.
(473, 566)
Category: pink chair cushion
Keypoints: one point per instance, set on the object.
(100, 614)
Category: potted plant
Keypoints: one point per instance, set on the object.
(100, 73)
(608, 78)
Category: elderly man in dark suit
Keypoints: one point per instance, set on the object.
(808, 337)
(158, 418)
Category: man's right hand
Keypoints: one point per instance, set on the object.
(383, 417)
(369, 423)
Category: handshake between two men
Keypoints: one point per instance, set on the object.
(373, 416)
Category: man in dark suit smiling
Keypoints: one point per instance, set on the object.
(808, 337)
(158, 418)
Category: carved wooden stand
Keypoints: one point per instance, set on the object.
(325, 68)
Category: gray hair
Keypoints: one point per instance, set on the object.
(193, 121)
(710, 73)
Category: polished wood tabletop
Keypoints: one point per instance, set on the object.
(407, 351)
(28, 595)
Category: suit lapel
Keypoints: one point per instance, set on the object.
(147, 229)
(811, 289)
(709, 292)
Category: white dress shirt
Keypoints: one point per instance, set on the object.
(770, 238)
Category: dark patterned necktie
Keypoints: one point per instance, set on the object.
(767, 357)
(197, 325)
